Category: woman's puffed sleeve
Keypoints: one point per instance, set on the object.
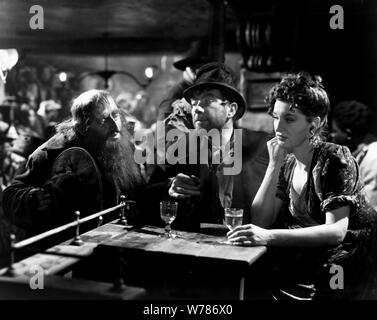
(339, 180)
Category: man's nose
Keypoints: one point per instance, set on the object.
(278, 125)
(113, 124)
(198, 108)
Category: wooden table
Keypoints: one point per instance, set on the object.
(202, 255)
(194, 259)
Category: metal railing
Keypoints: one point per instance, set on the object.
(77, 241)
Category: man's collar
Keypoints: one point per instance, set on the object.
(226, 151)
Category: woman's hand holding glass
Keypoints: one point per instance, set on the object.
(249, 235)
(233, 217)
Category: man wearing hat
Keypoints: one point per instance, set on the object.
(195, 57)
(203, 190)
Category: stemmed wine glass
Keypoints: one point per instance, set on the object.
(168, 212)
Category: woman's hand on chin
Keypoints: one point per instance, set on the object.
(250, 235)
(276, 151)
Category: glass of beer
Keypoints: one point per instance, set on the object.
(233, 217)
(168, 213)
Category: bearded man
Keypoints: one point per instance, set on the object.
(85, 166)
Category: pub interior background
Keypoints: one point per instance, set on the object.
(260, 40)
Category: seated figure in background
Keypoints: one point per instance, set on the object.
(196, 57)
(8, 166)
(49, 112)
(351, 126)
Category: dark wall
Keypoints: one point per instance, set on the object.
(345, 59)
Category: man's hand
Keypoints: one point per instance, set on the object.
(184, 186)
(39, 199)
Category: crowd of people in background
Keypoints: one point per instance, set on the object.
(37, 100)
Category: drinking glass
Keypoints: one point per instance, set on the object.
(168, 212)
(233, 217)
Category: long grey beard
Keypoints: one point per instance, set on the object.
(116, 159)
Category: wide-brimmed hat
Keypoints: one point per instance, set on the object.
(196, 56)
(218, 76)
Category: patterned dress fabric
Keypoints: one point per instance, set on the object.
(333, 182)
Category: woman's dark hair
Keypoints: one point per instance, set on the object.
(305, 93)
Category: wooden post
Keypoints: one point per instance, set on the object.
(122, 217)
(77, 240)
(216, 32)
(10, 270)
(119, 285)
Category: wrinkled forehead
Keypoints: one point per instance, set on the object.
(204, 92)
(105, 108)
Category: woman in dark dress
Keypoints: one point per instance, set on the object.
(310, 209)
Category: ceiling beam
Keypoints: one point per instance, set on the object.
(122, 46)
